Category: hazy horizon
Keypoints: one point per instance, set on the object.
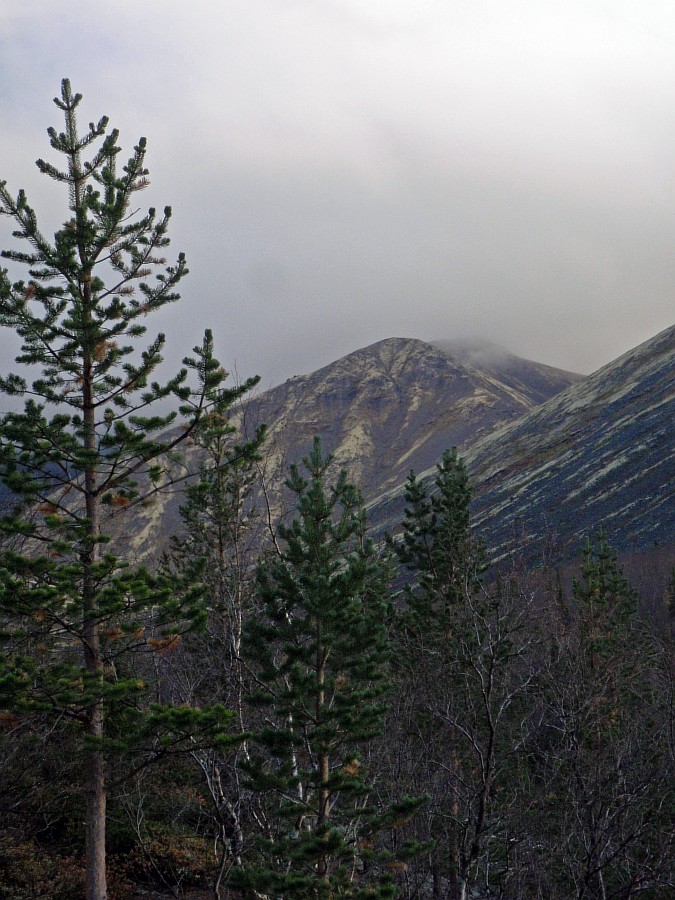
(344, 172)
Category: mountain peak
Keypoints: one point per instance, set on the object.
(385, 355)
(396, 405)
(546, 450)
(600, 454)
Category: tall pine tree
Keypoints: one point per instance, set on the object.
(319, 655)
(223, 536)
(87, 446)
(437, 546)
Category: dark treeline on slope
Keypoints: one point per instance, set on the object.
(282, 711)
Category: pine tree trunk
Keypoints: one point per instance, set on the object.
(95, 812)
(95, 788)
(324, 761)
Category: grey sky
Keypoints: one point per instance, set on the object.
(347, 170)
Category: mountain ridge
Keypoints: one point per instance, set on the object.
(599, 450)
(395, 405)
(381, 410)
(556, 473)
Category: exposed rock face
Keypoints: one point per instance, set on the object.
(397, 405)
(599, 454)
(382, 410)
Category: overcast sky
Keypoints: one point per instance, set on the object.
(343, 171)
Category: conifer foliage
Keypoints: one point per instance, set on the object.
(319, 656)
(437, 546)
(86, 447)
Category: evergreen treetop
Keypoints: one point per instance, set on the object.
(437, 547)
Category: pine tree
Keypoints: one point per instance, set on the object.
(437, 546)
(87, 446)
(458, 642)
(222, 536)
(222, 539)
(319, 656)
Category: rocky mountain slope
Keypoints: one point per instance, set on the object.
(381, 411)
(599, 454)
(398, 404)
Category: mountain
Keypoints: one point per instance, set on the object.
(598, 451)
(599, 454)
(381, 411)
(397, 404)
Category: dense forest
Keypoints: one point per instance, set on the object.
(281, 708)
